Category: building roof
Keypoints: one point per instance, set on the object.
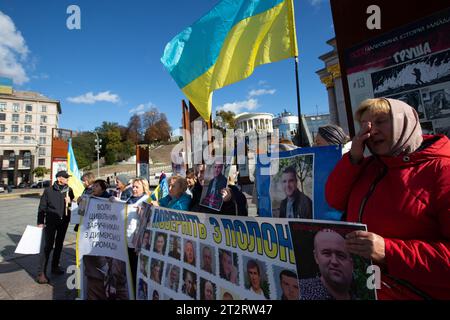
(30, 96)
(252, 114)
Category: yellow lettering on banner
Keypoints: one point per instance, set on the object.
(270, 249)
(202, 231)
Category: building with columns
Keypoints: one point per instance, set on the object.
(27, 120)
(259, 122)
(330, 76)
(287, 124)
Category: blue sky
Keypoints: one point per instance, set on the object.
(111, 67)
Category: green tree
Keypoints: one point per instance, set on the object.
(84, 149)
(40, 172)
(228, 117)
(113, 145)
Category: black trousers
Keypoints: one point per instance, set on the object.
(52, 236)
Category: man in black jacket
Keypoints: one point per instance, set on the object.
(54, 217)
(296, 204)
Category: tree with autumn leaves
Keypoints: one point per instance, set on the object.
(119, 142)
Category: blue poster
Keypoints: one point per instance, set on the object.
(292, 185)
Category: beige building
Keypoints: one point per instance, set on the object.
(26, 123)
(330, 76)
(254, 122)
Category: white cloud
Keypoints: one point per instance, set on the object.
(142, 108)
(260, 92)
(91, 98)
(13, 51)
(262, 82)
(240, 106)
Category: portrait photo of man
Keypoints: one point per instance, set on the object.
(146, 240)
(335, 266)
(143, 264)
(156, 270)
(254, 278)
(328, 271)
(160, 243)
(172, 277)
(189, 284)
(295, 204)
(228, 268)
(289, 285)
(207, 258)
(212, 198)
(189, 252)
(207, 290)
(106, 278)
(174, 247)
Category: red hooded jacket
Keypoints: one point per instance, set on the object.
(406, 200)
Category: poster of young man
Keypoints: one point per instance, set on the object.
(293, 184)
(327, 271)
(215, 182)
(102, 252)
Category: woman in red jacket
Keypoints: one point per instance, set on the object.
(402, 193)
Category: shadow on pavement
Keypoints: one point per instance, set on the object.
(18, 274)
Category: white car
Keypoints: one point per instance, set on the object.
(2, 189)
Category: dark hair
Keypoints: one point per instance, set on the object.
(102, 183)
(190, 173)
(288, 273)
(251, 264)
(292, 170)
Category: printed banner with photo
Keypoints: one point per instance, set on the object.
(102, 252)
(194, 256)
(216, 257)
(216, 179)
(326, 270)
(411, 64)
(295, 187)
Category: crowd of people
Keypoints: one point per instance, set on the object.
(401, 191)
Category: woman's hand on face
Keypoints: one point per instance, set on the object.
(367, 245)
(359, 142)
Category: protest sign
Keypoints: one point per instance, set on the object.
(30, 243)
(293, 184)
(74, 213)
(215, 180)
(324, 262)
(218, 257)
(102, 252)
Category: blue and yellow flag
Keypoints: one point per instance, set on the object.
(6, 86)
(227, 44)
(160, 191)
(72, 169)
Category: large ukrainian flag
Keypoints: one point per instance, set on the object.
(5, 86)
(72, 169)
(227, 44)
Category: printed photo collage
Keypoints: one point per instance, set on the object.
(183, 268)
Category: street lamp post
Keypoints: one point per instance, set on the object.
(97, 148)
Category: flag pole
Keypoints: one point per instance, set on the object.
(295, 55)
(299, 110)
